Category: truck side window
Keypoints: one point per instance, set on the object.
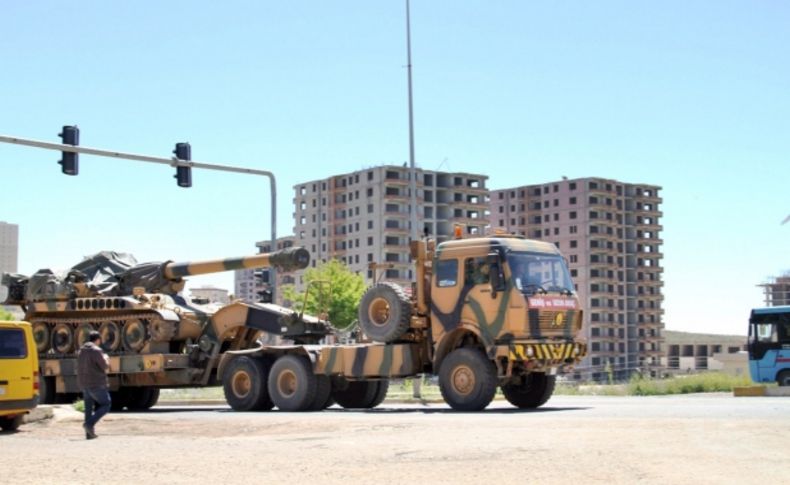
(475, 271)
(446, 273)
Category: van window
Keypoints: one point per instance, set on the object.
(12, 343)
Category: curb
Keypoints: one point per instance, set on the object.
(761, 391)
(39, 413)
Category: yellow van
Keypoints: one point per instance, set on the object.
(18, 373)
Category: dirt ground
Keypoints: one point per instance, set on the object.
(700, 439)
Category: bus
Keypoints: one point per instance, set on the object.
(769, 345)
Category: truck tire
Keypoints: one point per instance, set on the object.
(361, 394)
(292, 384)
(244, 383)
(467, 379)
(783, 379)
(46, 389)
(323, 393)
(120, 399)
(11, 423)
(142, 398)
(384, 312)
(532, 393)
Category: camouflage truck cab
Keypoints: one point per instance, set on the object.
(507, 300)
(484, 312)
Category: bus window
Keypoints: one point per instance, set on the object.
(765, 332)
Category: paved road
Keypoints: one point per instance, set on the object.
(675, 439)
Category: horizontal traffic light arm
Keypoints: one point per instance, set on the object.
(164, 161)
(132, 156)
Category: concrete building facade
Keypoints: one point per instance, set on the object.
(9, 252)
(249, 284)
(363, 216)
(210, 294)
(609, 231)
(692, 352)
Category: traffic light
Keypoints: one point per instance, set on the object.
(262, 288)
(264, 296)
(183, 174)
(70, 161)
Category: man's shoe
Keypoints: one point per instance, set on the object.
(90, 434)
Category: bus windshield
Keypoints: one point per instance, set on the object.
(540, 273)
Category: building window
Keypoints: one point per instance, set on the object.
(573, 243)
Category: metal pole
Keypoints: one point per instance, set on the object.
(412, 168)
(163, 161)
(417, 381)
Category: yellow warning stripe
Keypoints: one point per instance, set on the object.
(547, 352)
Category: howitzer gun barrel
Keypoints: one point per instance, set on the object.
(289, 259)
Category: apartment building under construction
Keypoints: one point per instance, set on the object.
(609, 231)
(364, 216)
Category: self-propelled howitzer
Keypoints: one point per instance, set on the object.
(141, 317)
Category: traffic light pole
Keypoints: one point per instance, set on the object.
(162, 161)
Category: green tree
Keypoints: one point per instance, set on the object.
(347, 289)
(5, 315)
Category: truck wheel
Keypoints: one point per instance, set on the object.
(384, 312)
(292, 384)
(533, 392)
(361, 394)
(46, 389)
(143, 398)
(244, 383)
(11, 423)
(120, 399)
(783, 379)
(467, 380)
(323, 393)
(381, 393)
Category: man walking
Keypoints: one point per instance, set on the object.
(92, 367)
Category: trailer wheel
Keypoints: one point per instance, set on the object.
(292, 384)
(384, 312)
(244, 384)
(783, 379)
(11, 423)
(467, 380)
(532, 393)
(143, 398)
(46, 389)
(361, 394)
(323, 393)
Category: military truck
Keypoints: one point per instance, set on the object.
(484, 312)
(155, 338)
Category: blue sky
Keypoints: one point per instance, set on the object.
(692, 96)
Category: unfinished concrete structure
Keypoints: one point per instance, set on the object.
(363, 216)
(777, 290)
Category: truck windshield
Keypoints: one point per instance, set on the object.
(539, 273)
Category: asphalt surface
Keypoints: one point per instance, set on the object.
(705, 438)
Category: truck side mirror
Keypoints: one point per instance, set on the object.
(497, 278)
(495, 275)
